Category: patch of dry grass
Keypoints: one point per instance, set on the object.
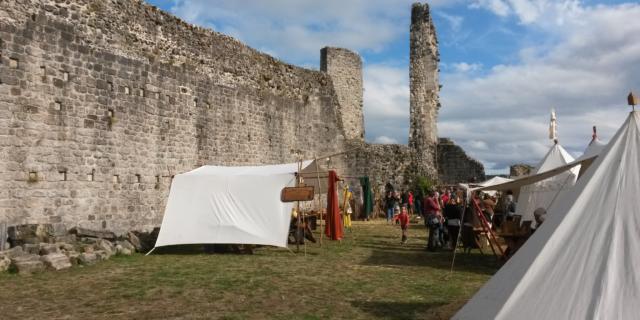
(369, 275)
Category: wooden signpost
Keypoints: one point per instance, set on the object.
(291, 194)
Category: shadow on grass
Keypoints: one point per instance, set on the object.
(190, 249)
(396, 310)
(467, 262)
(187, 249)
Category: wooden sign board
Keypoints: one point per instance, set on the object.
(290, 194)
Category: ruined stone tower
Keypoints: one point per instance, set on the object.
(345, 68)
(424, 101)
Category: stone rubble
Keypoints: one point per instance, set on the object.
(27, 264)
(30, 258)
(56, 261)
(5, 263)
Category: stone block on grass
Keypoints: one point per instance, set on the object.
(13, 252)
(120, 250)
(87, 233)
(106, 246)
(27, 264)
(74, 257)
(127, 245)
(66, 246)
(102, 255)
(5, 263)
(56, 261)
(30, 233)
(31, 248)
(87, 258)
(48, 248)
(135, 241)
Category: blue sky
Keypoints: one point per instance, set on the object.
(504, 63)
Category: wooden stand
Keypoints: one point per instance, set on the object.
(486, 229)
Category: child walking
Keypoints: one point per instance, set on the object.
(403, 218)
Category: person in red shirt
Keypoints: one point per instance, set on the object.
(411, 202)
(433, 221)
(445, 197)
(403, 217)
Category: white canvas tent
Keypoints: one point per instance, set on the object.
(543, 193)
(239, 205)
(581, 263)
(492, 182)
(593, 150)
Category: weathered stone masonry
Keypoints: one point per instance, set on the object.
(92, 138)
(102, 102)
(345, 69)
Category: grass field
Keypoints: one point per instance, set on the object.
(369, 275)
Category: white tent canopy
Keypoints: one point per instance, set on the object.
(239, 205)
(530, 179)
(590, 154)
(492, 182)
(543, 193)
(593, 150)
(581, 263)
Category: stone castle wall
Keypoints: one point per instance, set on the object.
(345, 69)
(92, 138)
(103, 102)
(455, 166)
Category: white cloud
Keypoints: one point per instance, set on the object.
(384, 140)
(499, 7)
(455, 21)
(298, 29)
(585, 75)
(531, 11)
(466, 67)
(386, 102)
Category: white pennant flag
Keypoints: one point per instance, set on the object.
(553, 126)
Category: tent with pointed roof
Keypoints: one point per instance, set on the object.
(541, 194)
(581, 263)
(593, 150)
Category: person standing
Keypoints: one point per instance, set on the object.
(390, 203)
(410, 199)
(488, 205)
(445, 196)
(453, 217)
(403, 218)
(432, 220)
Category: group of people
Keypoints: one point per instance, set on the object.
(445, 216)
(440, 211)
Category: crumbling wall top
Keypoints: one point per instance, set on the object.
(139, 31)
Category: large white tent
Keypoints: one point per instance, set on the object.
(581, 263)
(541, 194)
(239, 205)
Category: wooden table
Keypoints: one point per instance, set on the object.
(514, 241)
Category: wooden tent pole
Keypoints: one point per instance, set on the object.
(304, 229)
(455, 246)
(319, 199)
(298, 214)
